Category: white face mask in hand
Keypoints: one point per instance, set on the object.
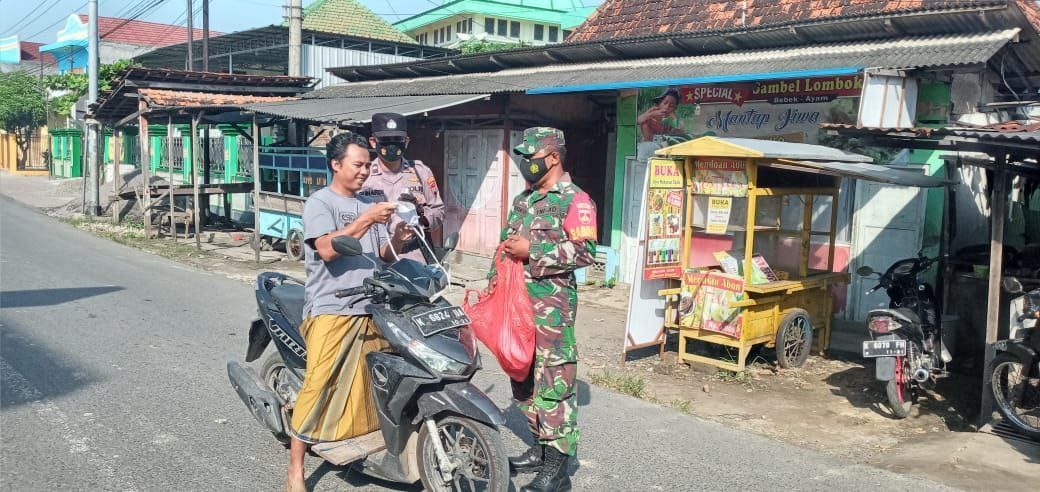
(408, 214)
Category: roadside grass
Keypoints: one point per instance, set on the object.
(131, 233)
(635, 386)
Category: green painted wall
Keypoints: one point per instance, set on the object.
(626, 146)
(933, 110)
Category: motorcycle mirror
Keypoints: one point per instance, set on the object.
(347, 245)
(451, 241)
(864, 271)
(1012, 285)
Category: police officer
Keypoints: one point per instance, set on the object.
(552, 227)
(395, 178)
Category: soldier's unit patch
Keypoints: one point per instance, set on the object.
(580, 222)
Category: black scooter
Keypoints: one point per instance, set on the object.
(436, 426)
(906, 338)
(1015, 370)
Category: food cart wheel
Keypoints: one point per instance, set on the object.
(793, 339)
(294, 245)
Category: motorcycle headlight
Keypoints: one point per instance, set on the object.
(435, 360)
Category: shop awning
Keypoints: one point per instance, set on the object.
(896, 175)
(833, 59)
(345, 110)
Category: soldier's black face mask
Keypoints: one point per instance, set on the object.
(533, 170)
(391, 151)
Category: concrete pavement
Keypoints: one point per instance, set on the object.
(113, 378)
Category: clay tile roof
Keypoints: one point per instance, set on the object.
(350, 18)
(626, 18)
(143, 33)
(31, 53)
(1031, 9)
(162, 97)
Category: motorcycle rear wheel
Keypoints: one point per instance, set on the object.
(898, 389)
(270, 371)
(474, 446)
(1006, 378)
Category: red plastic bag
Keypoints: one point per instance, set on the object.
(503, 317)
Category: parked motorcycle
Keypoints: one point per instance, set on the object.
(1015, 370)
(906, 338)
(436, 426)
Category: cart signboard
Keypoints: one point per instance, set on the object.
(704, 302)
(664, 220)
(719, 208)
(720, 177)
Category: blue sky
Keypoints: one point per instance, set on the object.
(225, 15)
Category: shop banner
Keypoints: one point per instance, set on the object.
(704, 302)
(720, 177)
(664, 220)
(718, 214)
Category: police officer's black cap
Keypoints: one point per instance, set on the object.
(389, 125)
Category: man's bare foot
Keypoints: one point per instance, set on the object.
(295, 483)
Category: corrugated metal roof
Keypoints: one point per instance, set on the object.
(623, 18)
(978, 18)
(1021, 137)
(358, 109)
(932, 51)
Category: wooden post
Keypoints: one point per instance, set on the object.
(169, 166)
(806, 236)
(195, 154)
(834, 224)
(256, 188)
(749, 232)
(998, 212)
(146, 172)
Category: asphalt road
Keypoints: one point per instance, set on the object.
(113, 378)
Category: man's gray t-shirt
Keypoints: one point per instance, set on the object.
(327, 211)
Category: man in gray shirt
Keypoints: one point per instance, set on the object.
(335, 402)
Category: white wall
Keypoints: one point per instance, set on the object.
(317, 58)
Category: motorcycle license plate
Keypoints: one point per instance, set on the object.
(884, 348)
(438, 320)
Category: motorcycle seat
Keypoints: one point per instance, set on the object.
(289, 298)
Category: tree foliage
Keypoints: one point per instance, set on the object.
(76, 84)
(22, 105)
(480, 46)
(22, 108)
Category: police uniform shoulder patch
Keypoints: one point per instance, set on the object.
(580, 222)
(431, 183)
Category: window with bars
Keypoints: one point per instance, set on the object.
(554, 34)
(514, 29)
(539, 32)
(502, 25)
(489, 25)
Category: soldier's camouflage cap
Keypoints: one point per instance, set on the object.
(538, 138)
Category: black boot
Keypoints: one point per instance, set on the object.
(529, 462)
(553, 475)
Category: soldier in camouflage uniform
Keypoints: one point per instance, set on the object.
(552, 226)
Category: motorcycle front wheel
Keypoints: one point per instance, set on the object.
(898, 389)
(1017, 396)
(475, 450)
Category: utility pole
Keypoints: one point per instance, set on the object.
(93, 163)
(190, 64)
(295, 52)
(205, 36)
(205, 131)
(295, 36)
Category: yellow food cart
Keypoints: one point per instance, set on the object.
(776, 200)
